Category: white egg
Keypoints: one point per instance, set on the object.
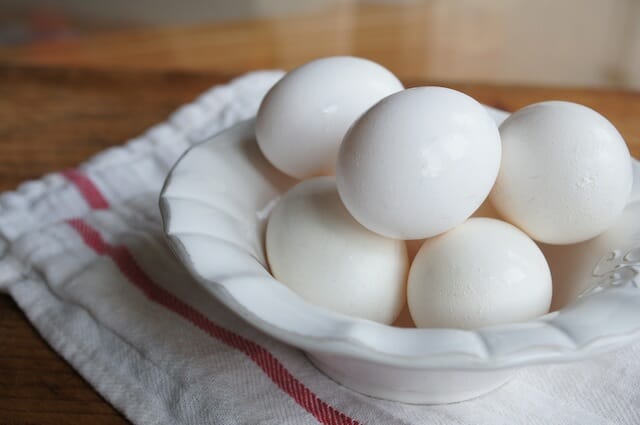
(303, 118)
(481, 273)
(319, 251)
(565, 174)
(419, 162)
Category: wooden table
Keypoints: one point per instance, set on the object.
(569, 43)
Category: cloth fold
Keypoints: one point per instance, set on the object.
(84, 257)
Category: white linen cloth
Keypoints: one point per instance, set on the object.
(83, 255)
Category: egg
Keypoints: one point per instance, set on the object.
(419, 162)
(318, 250)
(566, 172)
(303, 118)
(483, 272)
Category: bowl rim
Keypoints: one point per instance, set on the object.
(559, 336)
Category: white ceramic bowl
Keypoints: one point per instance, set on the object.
(215, 204)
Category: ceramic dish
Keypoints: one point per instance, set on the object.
(215, 204)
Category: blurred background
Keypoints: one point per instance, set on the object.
(593, 43)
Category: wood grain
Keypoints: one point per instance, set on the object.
(53, 118)
(574, 42)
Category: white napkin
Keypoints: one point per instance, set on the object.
(83, 255)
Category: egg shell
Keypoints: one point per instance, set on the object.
(419, 162)
(566, 172)
(318, 250)
(303, 118)
(483, 272)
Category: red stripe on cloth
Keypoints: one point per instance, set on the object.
(271, 366)
(85, 186)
